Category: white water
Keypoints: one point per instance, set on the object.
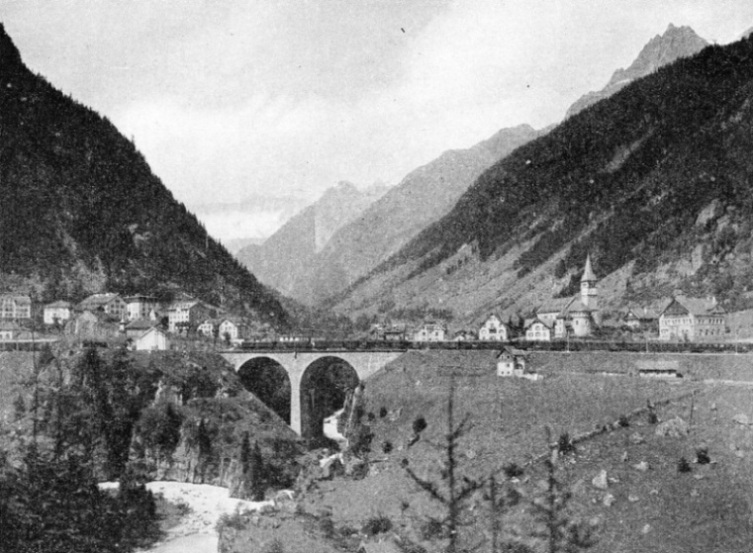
(196, 531)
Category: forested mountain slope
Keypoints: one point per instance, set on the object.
(654, 182)
(81, 211)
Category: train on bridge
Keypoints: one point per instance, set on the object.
(557, 345)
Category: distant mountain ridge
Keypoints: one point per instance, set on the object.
(654, 182)
(82, 212)
(286, 259)
(675, 43)
(423, 196)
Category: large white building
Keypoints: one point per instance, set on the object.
(693, 320)
(493, 330)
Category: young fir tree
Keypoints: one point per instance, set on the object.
(454, 490)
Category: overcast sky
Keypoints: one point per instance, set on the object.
(233, 99)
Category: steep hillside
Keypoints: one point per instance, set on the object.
(654, 182)
(675, 43)
(422, 197)
(82, 212)
(285, 259)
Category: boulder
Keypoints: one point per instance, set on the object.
(600, 481)
(642, 466)
(646, 529)
(608, 500)
(673, 428)
(741, 418)
(633, 498)
(636, 438)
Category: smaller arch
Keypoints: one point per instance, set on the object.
(324, 384)
(269, 381)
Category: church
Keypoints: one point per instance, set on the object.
(575, 316)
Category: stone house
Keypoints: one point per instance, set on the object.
(232, 329)
(186, 315)
(107, 303)
(14, 307)
(137, 328)
(494, 330)
(141, 307)
(511, 362)
(57, 312)
(208, 327)
(693, 320)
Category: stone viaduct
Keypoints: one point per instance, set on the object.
(297, 363)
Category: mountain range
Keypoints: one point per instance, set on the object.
(422, 197)
(81, 211)
(653, 182)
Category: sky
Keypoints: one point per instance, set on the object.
(237, 99)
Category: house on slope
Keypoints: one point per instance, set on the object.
(9, 330)
(494, 330)
(640, 318)
(232, 329)
(430, 331)
(14, 307)
(137, 328)
(108, 303)
(153, 339)
(537, 330)
(692, 320)
(141, 307)
(58, 312)
(511, 362)
(185, 315)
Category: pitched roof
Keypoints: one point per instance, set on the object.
(697, 306)
(60, 304)
(578, 307)
(9, 325)
(97, 300)
(557, 305)
(534, 320)
(18, 298)
(588, 272)
(140, 324)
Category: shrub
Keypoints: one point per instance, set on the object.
(702, 456)
(371, 416)
(565, 444)
(275, 546)
(652, 418)
(231, 520)
(386, 446)
(624, 422)
(404, 462)
(377, 525)
(382, 412)
(432, 529)
(683, 465)
(326, 525)
(419, 425)
(512, 470)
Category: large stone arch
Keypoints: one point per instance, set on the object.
(323, 385)
(268, 380)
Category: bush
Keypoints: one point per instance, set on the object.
(702, 456)
(235, 520)
(683, 465)
(512, 470)
(652, 418)
(275, 546)
(371, 416)
(432, 529)
(382, 412)
(624, 422)
(377, 525)
(565, 444)
(386, 446)
(419, 425)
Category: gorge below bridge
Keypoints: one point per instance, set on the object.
(307, 373)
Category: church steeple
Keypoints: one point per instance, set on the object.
(589, 294)
(588, 273)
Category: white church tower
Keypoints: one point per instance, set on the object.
(589, 294)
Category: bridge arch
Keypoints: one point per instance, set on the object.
(324, 385)
(268, 380)
(295, 363)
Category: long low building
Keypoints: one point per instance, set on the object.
(692, 320)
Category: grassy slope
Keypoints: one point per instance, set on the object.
(508, 417)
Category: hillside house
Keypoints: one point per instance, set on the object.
(638, 318)
(388, 332)
(208, 327)
(14, 307)
(464, 336)
(137, 328)
(9, 330)
(141, 307)
(430, 332)
(153, 339)
(232, 329)
(107, 303)
(511, 362)
(693, 320)
(186, 315)
(58, 312)
(493, 330)
(538, 331)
